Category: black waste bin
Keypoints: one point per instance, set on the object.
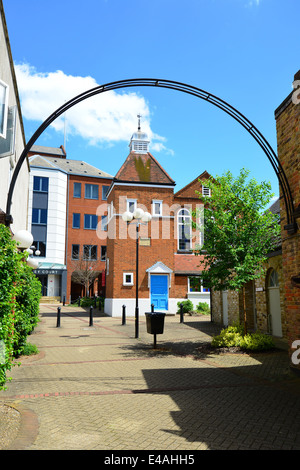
(155, 322)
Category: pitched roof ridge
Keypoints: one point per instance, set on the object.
(191, 182)
(162, 169)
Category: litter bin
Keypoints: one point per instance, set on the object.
(155, 324)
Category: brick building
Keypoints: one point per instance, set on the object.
(67, 215)
(168, 268)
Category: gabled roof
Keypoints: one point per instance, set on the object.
(71, 167)
(143, 168)
(189, 189)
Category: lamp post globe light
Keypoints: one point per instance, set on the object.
(24, 241)
(141, 218)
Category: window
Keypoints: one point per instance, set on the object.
(40, 184)
(206, 191)
(90, 221)
(104, 223)
(104, 192)
(39, 216)
(127, 279)
(75, 251)
(7, 145)
(273, 279)
(103, 253)
(91, 191)
(131, 205)
(184, 230)
(90, 252)
(76, 220)
(156, 208)
(40, 246)
(4, 88)
(195, 285)
(77, 190)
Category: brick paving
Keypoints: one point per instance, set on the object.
(99, 388)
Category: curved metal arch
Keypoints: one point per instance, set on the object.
(173, 85)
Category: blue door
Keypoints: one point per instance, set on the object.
(159, 292)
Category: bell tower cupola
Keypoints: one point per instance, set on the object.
(139, 142)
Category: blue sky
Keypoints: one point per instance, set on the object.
(243, 51)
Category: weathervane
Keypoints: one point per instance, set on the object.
(139, 122)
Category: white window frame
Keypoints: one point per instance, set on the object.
(4, 103)
(182, 223)
(126, 283)
(128, 201)
(157, 201)
(201, 291)
(8, 145)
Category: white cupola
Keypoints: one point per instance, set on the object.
(139, 141)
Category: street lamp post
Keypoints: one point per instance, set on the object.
(141, 218)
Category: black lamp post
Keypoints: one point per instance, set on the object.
(141, 218)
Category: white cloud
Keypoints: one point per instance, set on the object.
(253, 2)
(106, 118)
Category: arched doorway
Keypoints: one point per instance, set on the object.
(274, 310)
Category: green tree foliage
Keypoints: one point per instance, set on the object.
(238, 230)
(19, 301)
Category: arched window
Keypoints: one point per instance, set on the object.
(273, 279)
(184, 230)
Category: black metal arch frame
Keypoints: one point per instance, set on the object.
(178, 86)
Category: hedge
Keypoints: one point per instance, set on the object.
(20, 292)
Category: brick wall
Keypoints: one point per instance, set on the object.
(83, 236)
(121, 243)
(287, 118)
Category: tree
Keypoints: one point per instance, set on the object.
(85, 270)
(238, 231)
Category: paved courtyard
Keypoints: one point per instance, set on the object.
(98, 387)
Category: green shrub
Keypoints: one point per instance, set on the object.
(29, 349)
(233, 336)
(203, 308)
(27, 311)
(20, 292)
(85, 302)
(187, 306)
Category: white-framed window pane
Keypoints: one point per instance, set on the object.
(127, 279)
(7, 145)
(131, 205)
(157, 208)
(4, 89)
(184, 230)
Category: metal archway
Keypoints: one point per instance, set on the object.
(178, 86)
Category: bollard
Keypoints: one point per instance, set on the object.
(181, 313)
(64, 300)
(124, 315)
(91, 316)
(79, 301)
(58, 318)
(152, 308)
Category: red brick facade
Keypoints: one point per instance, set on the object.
(82, 236)
(288, 139)
(158, 241)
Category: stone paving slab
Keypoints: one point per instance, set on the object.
(101, 388)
